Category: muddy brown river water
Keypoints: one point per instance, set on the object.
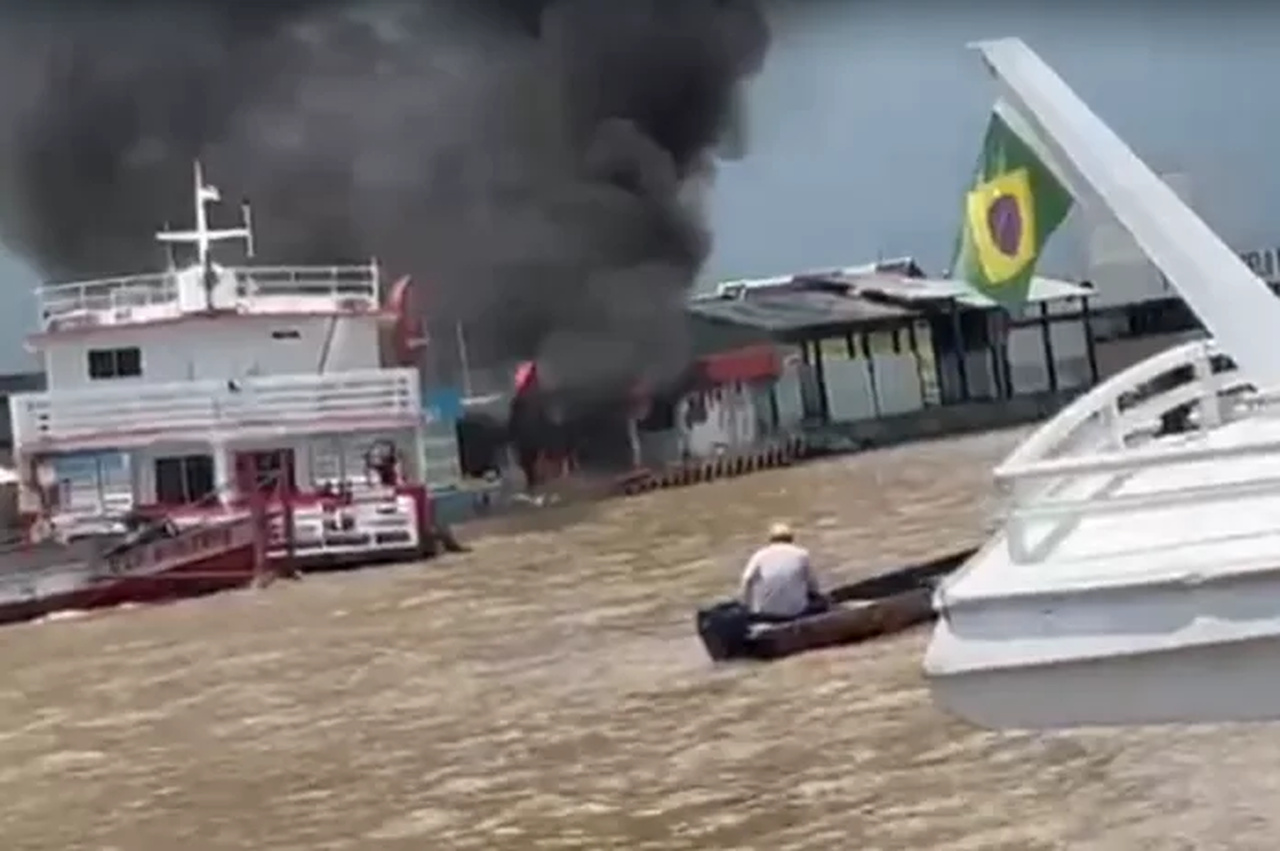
(546, 692)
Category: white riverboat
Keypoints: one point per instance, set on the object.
(203, 388)
(1136, 576)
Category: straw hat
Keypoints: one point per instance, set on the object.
(781, 533)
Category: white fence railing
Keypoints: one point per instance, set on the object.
(373, 522)
(111, 299)
(370, 524)
(299, 403)
(1075, 464)
(90, 299)
(338, 282)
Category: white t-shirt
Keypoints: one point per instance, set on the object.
(778, 581)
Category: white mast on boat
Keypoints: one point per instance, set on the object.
(203, 237)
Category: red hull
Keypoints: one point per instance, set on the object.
(187, 566)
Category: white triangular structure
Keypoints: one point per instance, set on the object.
(1117, 267)
(1136, 577)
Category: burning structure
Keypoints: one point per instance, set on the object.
(534, 164)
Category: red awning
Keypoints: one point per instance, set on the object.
(751, 363)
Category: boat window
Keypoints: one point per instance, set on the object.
(115, 363)
(184, 479)
(290, 334)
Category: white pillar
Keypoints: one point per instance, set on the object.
(222, 471)
(131, 459)
(633, 436)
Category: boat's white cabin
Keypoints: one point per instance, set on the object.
(191, 387)
(204, 319)
(171, 327)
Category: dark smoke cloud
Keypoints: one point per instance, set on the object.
(531, 162)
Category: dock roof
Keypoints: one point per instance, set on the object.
(830, 301)
(902, 279)
(798, 307)
(924, 290)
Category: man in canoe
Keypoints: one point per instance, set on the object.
(778, 583)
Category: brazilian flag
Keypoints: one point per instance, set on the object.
(1015, 204)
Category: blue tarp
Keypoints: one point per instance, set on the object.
(442, 404)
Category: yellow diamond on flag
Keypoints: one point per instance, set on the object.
(1002, 222)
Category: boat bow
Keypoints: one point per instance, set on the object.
(1141, 528)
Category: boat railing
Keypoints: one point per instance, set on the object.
(1075, 464)
(99, 301)
(340, 283)
(1117, 412)
(300, 404)
(113, 521)
(112, 300)
(371, 521)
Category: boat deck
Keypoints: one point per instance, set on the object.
(39, 570)
(1158, 575)
(1136, 576)
(1154, 534)
(19, 558)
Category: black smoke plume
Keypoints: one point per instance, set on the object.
(530, 163)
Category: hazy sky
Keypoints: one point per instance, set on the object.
(866, 124)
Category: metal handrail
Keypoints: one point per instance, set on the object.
(296, 400)
(1039, 472)
(1037, 458)
(1101, 401)
(56, 301)
(140, 536)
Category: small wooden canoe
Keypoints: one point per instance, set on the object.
(882, 605)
